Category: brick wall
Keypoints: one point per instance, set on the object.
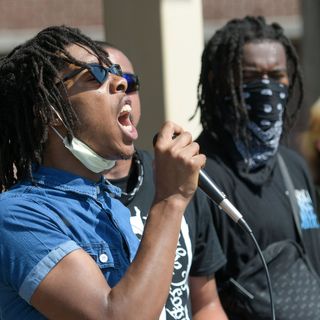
(30, 14)
(36, 14)
(227, 9)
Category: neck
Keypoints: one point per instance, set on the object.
(120, 170)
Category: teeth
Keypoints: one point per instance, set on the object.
(126, 108)
(125, 117)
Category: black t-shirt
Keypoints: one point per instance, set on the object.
(198, 252)
(266, 208)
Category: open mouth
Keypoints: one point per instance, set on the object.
(124, 120)
(124, 117)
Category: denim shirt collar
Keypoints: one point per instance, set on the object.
(66, 181)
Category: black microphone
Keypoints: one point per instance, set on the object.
(207, 185)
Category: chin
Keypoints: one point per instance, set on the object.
(128, 153)
(125, 157)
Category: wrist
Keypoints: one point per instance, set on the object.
(172, 204)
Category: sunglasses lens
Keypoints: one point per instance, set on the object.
(115, 69)
(101, 73)
(133, 82)
(98, 72)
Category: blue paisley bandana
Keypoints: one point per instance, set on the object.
(265, 100)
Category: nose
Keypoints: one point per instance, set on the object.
(117, 84)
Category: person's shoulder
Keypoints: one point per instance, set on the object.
(291, 157)
(16, 193)
(144, 155)
(146, 160)
(20, 195)
(218, 170)
(14, 208)
(22, 198)
(211, 148)
(206, 143)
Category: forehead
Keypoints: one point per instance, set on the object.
(264, 54)
(118, 57)
(83, 54)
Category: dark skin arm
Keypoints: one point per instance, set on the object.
(205, 300)
(76, 289)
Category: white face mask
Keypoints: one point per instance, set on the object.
(86, 155)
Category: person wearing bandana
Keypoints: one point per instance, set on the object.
(249, 94)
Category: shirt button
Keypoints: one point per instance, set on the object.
(103, 258)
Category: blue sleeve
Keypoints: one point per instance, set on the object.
(32, 242)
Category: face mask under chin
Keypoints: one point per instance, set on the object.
(89, 158)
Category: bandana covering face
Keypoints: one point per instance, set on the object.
(265, 101)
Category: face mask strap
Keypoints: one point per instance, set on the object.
(58, 115)
(57, 132)
(60, 118)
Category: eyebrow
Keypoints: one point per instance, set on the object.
(256, 70)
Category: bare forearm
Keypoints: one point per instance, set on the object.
(211, 312)
(205, 301)
(148, 279)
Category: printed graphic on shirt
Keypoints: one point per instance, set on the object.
(137, 222)
(307, 214)
(176, 305)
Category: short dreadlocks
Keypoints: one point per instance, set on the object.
(30, 85)
(221, 75)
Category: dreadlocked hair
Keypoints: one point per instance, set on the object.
(221, 76)
(31, 91)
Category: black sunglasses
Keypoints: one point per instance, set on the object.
(99, 72)
(133, 82)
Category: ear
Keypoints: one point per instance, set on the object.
(56, 122)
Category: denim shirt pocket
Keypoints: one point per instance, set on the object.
(108, 261)
(101, 254)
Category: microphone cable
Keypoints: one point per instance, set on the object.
(207, 185)
(244, 226)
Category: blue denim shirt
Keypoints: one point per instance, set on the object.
(43, 221)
